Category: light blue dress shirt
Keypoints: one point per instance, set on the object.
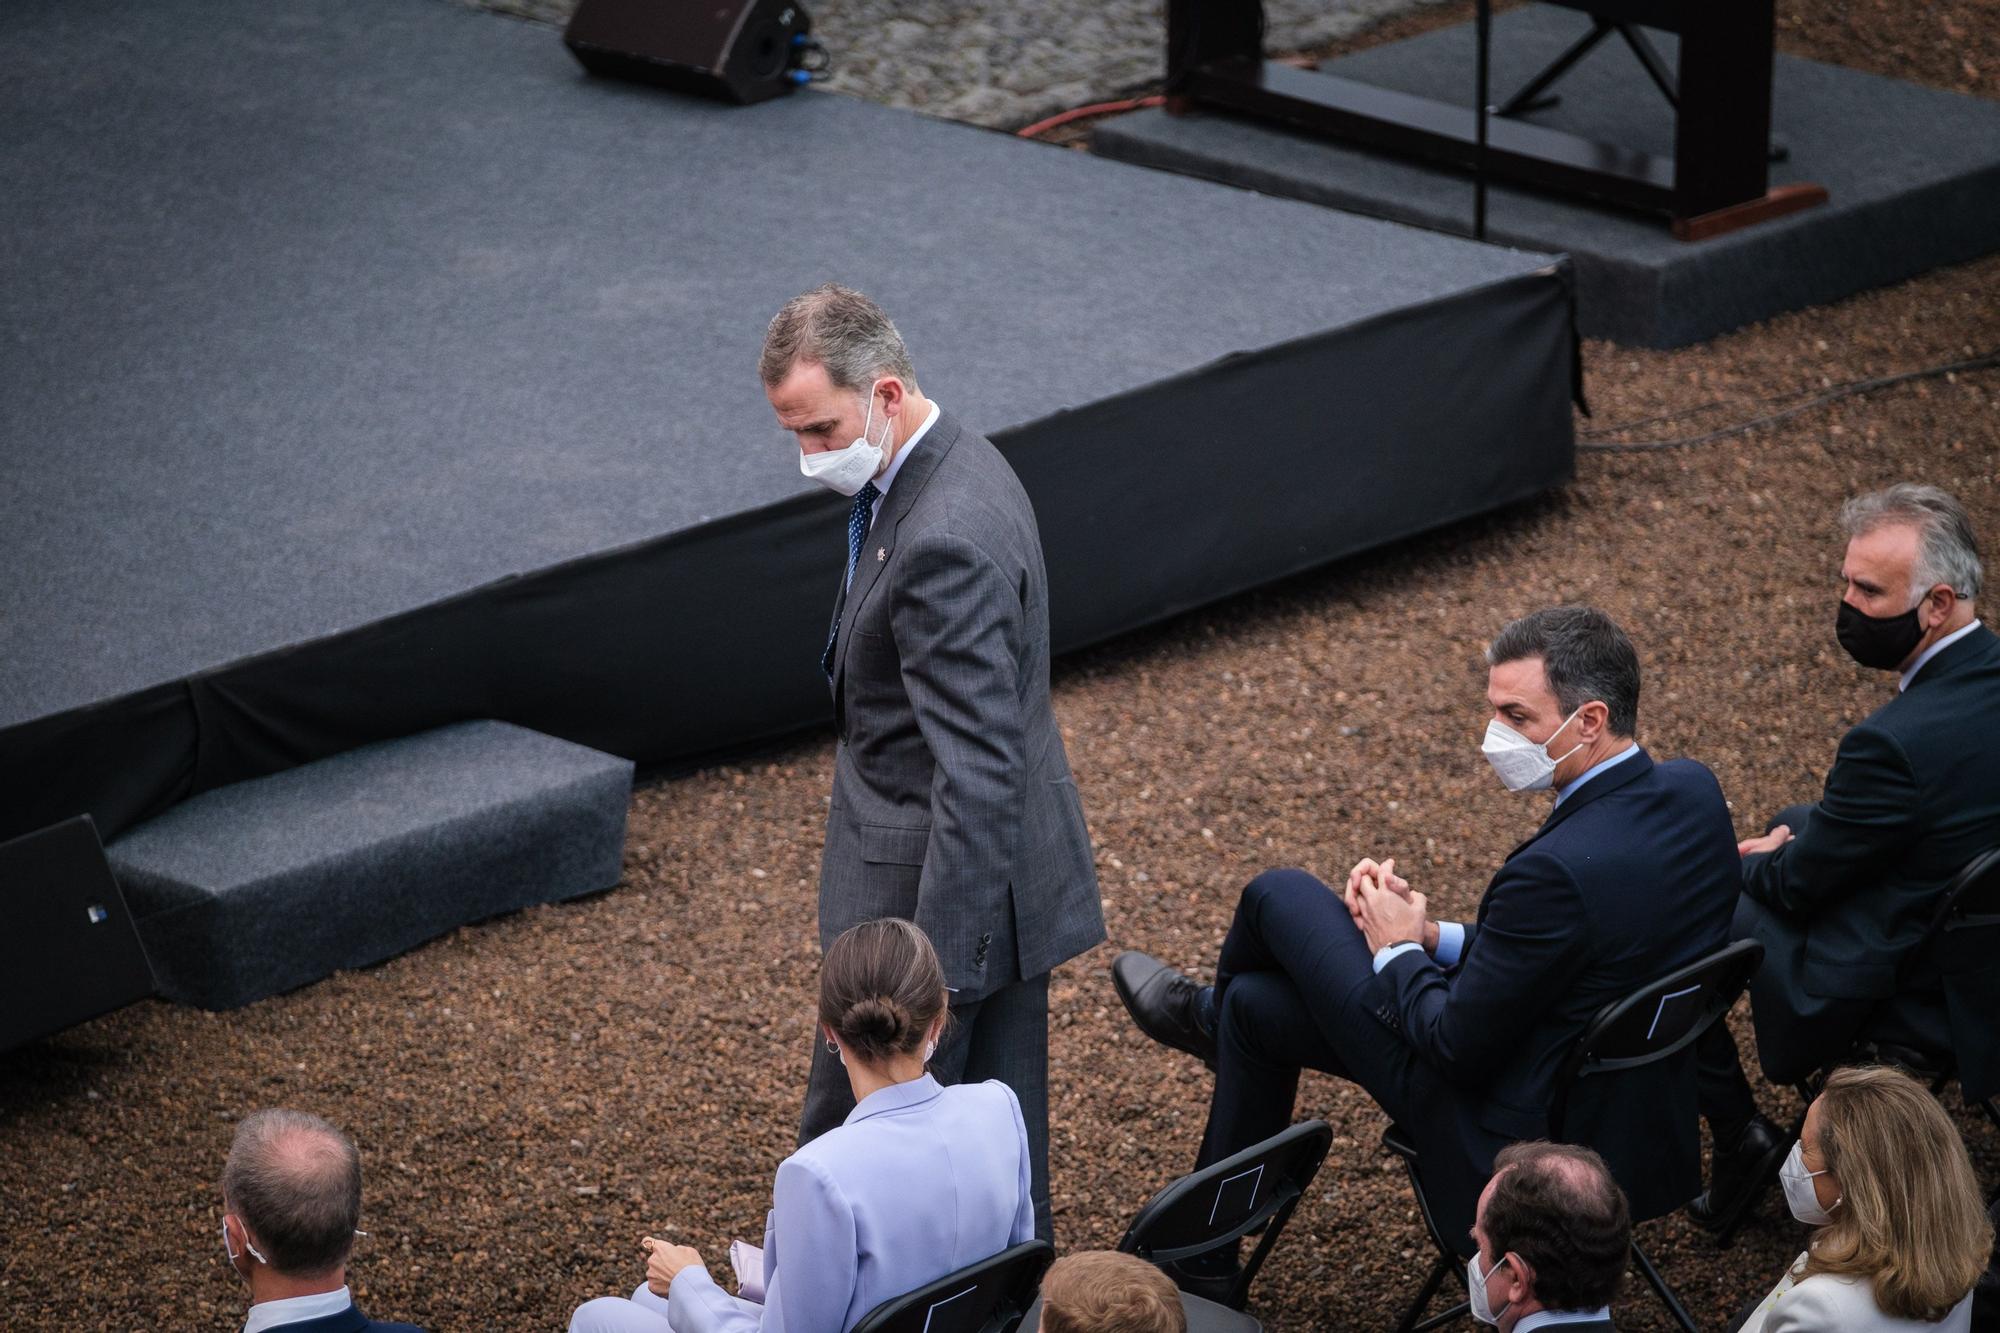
(920, 1181)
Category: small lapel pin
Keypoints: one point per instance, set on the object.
(881, 554)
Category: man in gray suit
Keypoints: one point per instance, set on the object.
(953, 804)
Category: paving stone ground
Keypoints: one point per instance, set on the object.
(1003, 63)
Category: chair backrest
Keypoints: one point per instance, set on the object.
(1972, 899)
(1962, 948)
(990, 1296)
(1221, 1203)
(1656, 1021)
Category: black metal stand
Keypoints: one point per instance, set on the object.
(1717, 178)
(1530, 97)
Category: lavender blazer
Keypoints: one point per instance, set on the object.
(920, 1181)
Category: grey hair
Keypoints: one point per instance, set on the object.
(1586, 657)
(295, 1180)
(1947, 553)
(840, 329)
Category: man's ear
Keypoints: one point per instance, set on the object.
(1941, 600)
(1518, 1279)
(893, 393)
(1595, 719)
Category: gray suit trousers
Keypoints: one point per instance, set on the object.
(1003, 1036)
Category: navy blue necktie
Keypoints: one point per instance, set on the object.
(858, 519)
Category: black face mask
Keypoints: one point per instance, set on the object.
(1879, 642)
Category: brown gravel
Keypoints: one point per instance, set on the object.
(533, 1093)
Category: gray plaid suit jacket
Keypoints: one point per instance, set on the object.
(953, 803)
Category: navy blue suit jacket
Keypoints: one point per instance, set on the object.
(1912, 797)
(1634, 875)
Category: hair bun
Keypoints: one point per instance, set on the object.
(877, 1021)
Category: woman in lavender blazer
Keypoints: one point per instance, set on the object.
(919, 1181)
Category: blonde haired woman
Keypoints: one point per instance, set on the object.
(1900, 1236)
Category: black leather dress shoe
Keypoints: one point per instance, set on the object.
(1163, 1002)
(1744, 1169)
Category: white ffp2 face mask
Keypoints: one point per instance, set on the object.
(848, 470)
(1522, 764)
(1475, 1291)
(1800, 1196)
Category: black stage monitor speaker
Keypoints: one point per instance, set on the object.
(68, 948)
(737, 50)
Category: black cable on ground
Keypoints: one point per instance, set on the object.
(1592, 438)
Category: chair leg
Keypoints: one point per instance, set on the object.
(1456, 1312)
(1411, 1317)
(1726, 1233)
(1666, 1293)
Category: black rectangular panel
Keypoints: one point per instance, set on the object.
(68, 948)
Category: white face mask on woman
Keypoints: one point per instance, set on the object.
(848, 470)
(1522, 764)
(1800, 1196)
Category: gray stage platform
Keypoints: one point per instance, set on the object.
(1914, 177)
(261, 887)
(364, 355)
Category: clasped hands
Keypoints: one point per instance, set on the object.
(1385, 909)
(664, 1260)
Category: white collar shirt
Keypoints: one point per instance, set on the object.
(1554, 1318)
(1932, 651)
(295, 1310)
(888, 478)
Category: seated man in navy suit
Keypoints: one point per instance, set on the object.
(291, 1197)
(1458, 1030)
(1842, 891)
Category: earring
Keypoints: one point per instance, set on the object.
(832, 1048)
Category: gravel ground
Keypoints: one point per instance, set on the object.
(533, 1093)
(1004, 63)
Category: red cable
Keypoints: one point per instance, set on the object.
(1042, 127)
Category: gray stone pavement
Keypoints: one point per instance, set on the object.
(1004, 63)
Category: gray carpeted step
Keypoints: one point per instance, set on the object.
(260, 887)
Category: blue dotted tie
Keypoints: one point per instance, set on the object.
(858, 519)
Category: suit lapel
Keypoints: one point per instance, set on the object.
(1610, 780)
(1974, 647)
(880, 543)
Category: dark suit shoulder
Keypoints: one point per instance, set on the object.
(973, 495)
(1689, 771)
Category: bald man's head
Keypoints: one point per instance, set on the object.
(1557, 1207)
(295, 1183)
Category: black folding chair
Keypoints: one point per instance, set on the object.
(1963, 937)
(1653, 1023)
(990, 1296)
(1220, 1204)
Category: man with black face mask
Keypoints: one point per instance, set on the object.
(1841, 891)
